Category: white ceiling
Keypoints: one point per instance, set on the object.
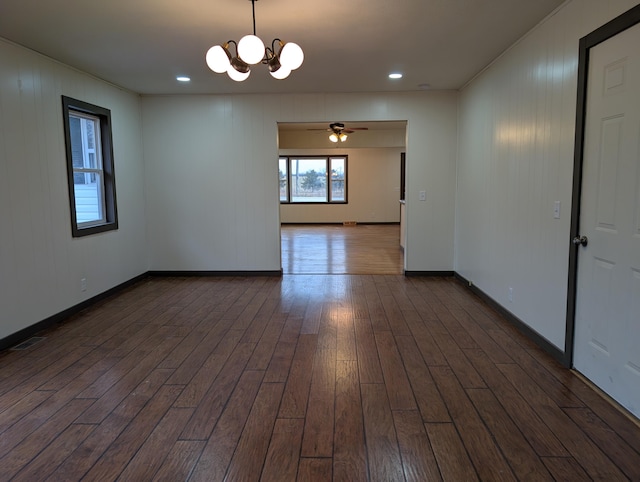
(351, 46)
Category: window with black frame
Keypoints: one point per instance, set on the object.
(92, 191)
(313, 179)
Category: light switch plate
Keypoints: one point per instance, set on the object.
(423, 195)
(556, 210)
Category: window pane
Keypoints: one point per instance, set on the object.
(91, 138)
(88, 186)
(338, 179)
(283, 174)
(309, 180)
(85, 132)
(76, 141)
(89, 198)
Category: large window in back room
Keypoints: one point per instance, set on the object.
(92, 190)
(313, 179)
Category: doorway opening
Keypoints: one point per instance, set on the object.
(356, 231)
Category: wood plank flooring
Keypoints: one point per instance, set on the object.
(304, 377)
(337, 249)
(308, 377)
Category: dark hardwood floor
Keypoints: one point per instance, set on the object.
(304, 377)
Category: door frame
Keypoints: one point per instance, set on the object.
(608, 30)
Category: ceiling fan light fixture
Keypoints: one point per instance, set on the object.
(333, 137)
(343, 137)
(251, 49)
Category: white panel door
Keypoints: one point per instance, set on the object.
(607, 324)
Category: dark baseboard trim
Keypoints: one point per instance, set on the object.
(215, 273)
(29, 331)
(358, 223)
(389, 223)
(525, 329)
(429, 273)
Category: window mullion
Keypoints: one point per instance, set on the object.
(327, 181)
(88, 171)
(288, 179)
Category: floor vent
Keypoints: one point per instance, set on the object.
(349, 223)
(29, 343)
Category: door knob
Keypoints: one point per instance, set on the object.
(583, 240)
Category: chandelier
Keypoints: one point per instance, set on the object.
(250, 50)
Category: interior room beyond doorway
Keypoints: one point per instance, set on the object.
(316, 237)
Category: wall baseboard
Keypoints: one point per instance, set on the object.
(215, 273)
(29, 331)
(357, 223)
(429, 273)
(22, 335)
(525, 329)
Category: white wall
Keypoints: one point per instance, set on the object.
(212, 177)
(302, 139)
(373, 182)
(516, 135)
(40, 263)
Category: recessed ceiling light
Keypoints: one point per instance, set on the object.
(182, 78)
(395, 75)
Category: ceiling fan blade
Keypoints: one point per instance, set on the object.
(338, 127)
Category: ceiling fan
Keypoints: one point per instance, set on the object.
(339, 131)
(338, 127)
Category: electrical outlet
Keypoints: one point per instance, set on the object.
(83, 284)
(510, 294)
(423, 195)
(556, 210)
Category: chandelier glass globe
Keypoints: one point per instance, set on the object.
(251, 49)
